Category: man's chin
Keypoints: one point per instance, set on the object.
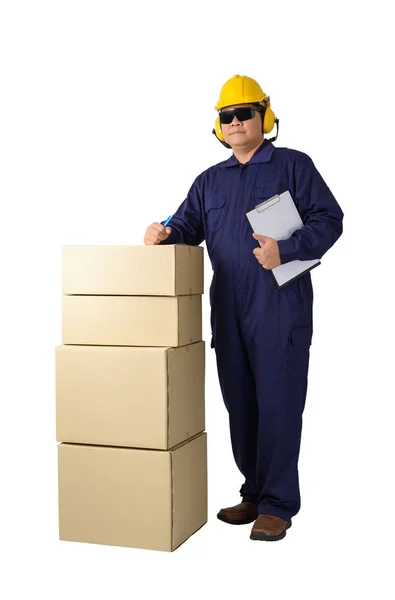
(238, 143)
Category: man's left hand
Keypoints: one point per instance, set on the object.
(268, 255)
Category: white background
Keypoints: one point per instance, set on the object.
(106, 117)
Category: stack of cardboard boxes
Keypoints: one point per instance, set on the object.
(130, 405)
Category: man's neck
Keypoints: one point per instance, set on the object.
(243, 156)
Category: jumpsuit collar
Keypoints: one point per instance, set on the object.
(262, 154)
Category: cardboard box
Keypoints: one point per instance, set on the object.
(130, 396)
(152, 499)
(160, 270)
(132, 320)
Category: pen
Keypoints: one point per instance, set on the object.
(167, 221)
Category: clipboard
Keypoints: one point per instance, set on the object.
(278, 218)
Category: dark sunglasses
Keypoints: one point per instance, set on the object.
(243, 114)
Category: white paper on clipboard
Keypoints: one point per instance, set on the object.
(278, 218)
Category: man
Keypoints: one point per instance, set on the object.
(261, 334)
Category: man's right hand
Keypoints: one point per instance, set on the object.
(156, 233)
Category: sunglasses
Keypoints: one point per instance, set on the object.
(243, 114)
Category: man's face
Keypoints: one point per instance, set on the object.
(239, 134)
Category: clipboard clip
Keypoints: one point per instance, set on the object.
(268, 203)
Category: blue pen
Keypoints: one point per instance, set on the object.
(167, 221)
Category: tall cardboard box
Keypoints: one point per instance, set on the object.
(130, 396)
(151, 499)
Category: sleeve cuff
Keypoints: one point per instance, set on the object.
(173, 238)
(287, 250)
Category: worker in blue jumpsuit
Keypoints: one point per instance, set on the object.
(261, 333)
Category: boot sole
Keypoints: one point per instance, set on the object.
(271, 538)
(225, 519)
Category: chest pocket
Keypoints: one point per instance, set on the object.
(266, 190)
(215, 206)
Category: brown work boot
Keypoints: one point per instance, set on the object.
(241, 514)
(269, 528)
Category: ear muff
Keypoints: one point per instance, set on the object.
(269, 120)
(218, 133)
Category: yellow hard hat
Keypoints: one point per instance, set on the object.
(241, 89)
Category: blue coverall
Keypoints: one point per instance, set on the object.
(261, 334)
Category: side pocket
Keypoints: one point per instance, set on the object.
(298, 351)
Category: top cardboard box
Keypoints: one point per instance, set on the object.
(159, 270)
